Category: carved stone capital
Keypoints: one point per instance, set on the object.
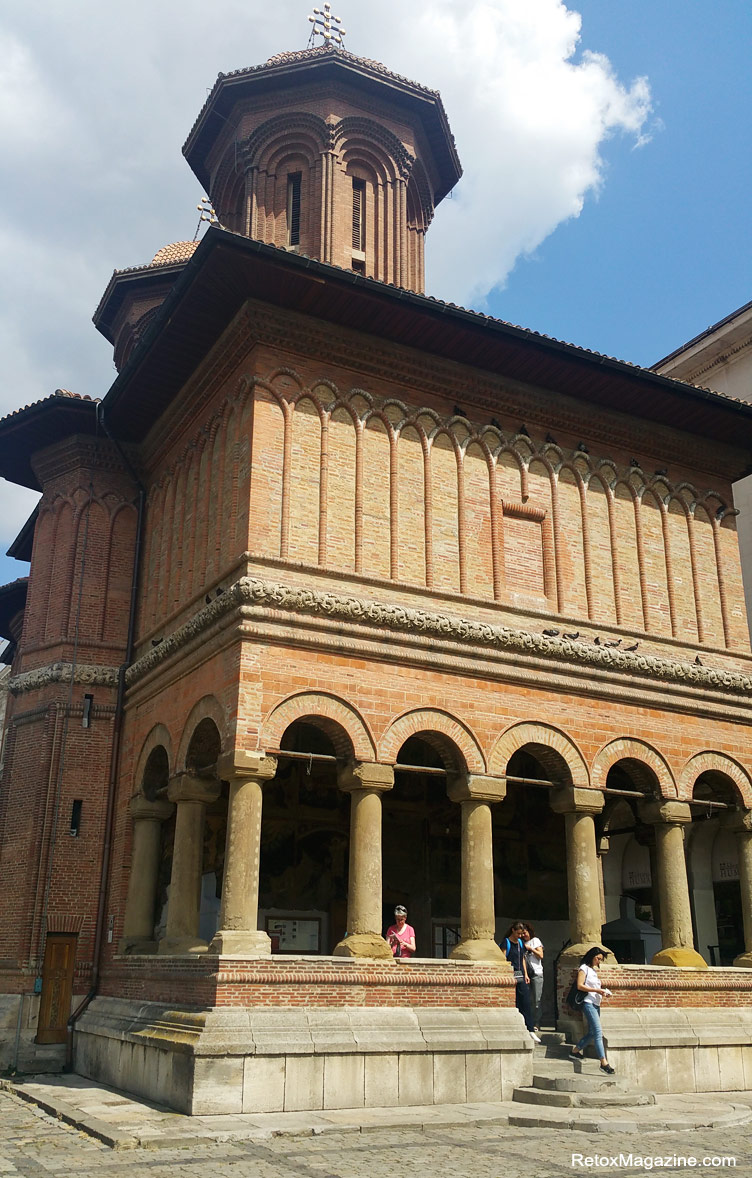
(739, 821)
(185, 787)
(572, 799)
(466, 787)
(678, 813)
(141, 807)
(365, 775)
(242, 763)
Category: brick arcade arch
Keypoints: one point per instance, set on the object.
(342, 723)
(449, 736)
(552, 748)
(643, 763)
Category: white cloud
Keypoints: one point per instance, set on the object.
(96, 101)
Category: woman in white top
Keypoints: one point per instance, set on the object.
(534, 962)
(588, 980)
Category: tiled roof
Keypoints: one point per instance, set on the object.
(178, 251)
(52, 397)
(321, 50)
(303, 55)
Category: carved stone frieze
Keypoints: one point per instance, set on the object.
(250, 591)
(85, 675)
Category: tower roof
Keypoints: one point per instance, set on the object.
(325, 63)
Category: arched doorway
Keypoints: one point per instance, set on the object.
(421, 843)
(712, 856)
(305, 844)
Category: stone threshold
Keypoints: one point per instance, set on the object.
(125, 1123)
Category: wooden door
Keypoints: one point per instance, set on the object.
(57, 987)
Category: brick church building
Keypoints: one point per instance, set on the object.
(343, 597)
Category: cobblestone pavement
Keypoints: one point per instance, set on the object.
(34, 1145)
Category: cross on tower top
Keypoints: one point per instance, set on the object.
(327, 26)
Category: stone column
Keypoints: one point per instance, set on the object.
(365, 782)
(583, 884)
(741, 823)
(238, 931)
(677, 939)
(138, 924)
(602, 848)
(476, 795)
(191, 796)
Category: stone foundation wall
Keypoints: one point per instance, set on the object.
(235, 1060)
(687, 1050)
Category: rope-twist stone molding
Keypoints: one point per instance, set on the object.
(251, 591)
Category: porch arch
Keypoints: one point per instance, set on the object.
(638, 754)
(438, 728)
(548, 745)
(713, 762)
(344, 726)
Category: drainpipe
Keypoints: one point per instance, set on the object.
(115, 753)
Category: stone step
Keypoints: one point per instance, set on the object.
(664, 1115)
(561, 1082)
(553, 1099)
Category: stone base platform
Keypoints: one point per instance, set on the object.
(682, 1050)
(221, 1035)
(235, 1060)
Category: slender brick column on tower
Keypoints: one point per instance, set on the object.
(365, 782)
(677, 940)
(476, 795)
(191, 796)
(238, 931)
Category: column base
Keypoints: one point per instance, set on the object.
(179, 946)
(573, 954)
(241, 943)
(137, 945)
(364, 945)
(472, 949)
(680, 955)
(743, 961)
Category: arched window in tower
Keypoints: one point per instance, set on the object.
(294, 180)
(359, 225)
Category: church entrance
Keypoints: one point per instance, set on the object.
(421, 850)
(304, 847)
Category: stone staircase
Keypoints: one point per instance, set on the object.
(567, 1093)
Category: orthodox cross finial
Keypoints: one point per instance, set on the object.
(327, 26)
(206, 213)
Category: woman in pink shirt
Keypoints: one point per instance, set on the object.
(401, 935)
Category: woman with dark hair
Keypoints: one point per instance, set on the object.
(588, 980)
(514, 944)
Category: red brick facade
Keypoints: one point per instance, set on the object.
(382, 539)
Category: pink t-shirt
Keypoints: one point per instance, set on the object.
(403, 935)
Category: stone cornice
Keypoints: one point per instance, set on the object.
(252, 591)
(85, 675)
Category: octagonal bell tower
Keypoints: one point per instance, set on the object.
(328, 154)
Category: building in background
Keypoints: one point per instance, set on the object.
(344, 597)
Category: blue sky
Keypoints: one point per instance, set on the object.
(665, 249)
(626, 233)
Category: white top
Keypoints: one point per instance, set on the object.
(591, 979)
(534, 963)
